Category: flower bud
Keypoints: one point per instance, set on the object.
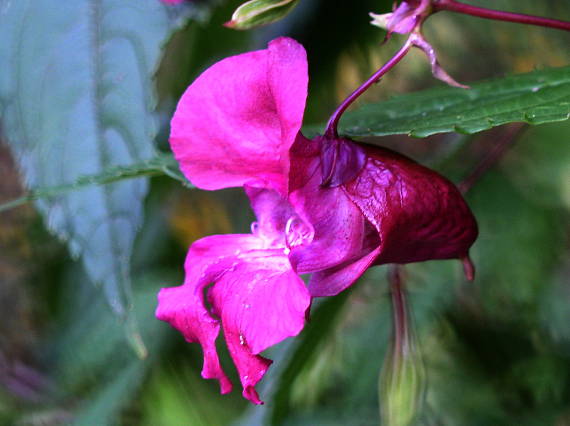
(380, 20)
(402, 377)
(401, 388)
(256, 13)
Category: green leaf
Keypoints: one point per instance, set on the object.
(104, 406)
(256, 13)
(76, 99)
(162, 164)
(535, 98)
(177, 395)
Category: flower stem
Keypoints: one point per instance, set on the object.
(400, 314)
(498, 15)
(493, 156)
(331, 130)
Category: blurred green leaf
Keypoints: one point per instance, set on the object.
(539, 165)
(77, 99)
(518, 245)
(102, 407)
(555, 309)
(90, 365)
(177, 395)
(535, 98)
(308, 351)
(456, 392)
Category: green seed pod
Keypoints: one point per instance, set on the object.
(256, 13)
(402, 379)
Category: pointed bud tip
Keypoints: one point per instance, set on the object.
(455, 83)
(380, 20)
(138, 346)
(257, 13)
(468, 268)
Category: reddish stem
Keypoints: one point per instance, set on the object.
(498, 15)
(399, 309)
(331, 130)
(493, 156)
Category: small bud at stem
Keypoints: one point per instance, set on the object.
(468, 268)
(402, 376)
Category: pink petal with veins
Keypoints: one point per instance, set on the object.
(261, 302)
(235, 124)
(339, 226)
(332, 281)
(256, 296)
(419, 215)
(183, 307)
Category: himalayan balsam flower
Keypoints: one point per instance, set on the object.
(325, 206)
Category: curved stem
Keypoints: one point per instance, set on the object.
(494, 155)
(498, 15)
(332, 126)
(400, 311)
(16, 203)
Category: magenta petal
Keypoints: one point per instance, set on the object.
(256, 294)
(288, 81)
(183, 307)
(263, 299)
(261, 302)
(274, 218)
(407, 16)
(341, 161)
(251, 368)
(235, 124)
(339, 226)
(332, 281)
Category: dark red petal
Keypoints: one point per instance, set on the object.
(419, 215)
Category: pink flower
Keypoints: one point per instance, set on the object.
(405, 18)
(172, 1)
(325, 206)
